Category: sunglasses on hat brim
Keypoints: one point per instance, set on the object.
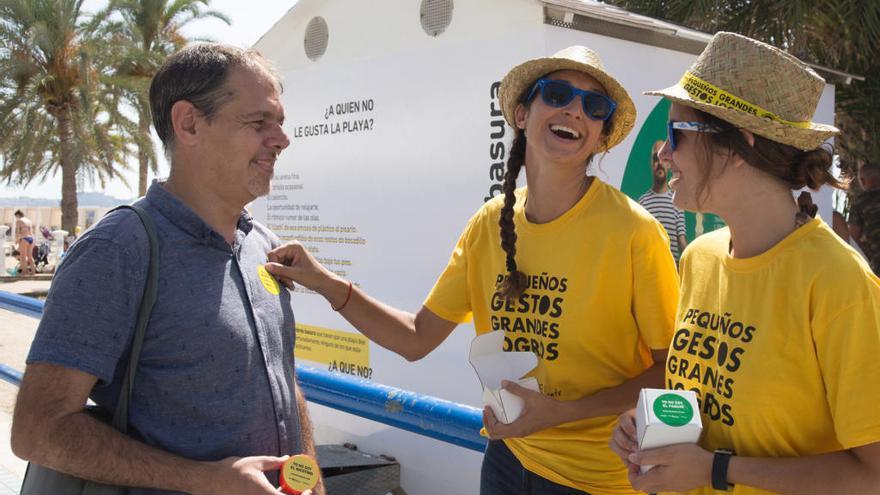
(558, 94)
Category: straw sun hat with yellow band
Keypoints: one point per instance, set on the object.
(756, 87)
(520, 80)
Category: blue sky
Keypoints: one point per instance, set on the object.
(250, 20)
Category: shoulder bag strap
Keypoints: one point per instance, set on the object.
(120, 416)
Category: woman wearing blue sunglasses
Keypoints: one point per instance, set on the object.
(778, 328)
(568, 267)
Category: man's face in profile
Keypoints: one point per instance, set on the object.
(243, 140)
(659, 168)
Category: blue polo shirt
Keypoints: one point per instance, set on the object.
(216, 373)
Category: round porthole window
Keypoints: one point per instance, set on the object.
(435, 16)
(316, 38)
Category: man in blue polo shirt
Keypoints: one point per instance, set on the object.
(215, 405)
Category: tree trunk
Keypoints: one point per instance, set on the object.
(69, 214)
(143, 158)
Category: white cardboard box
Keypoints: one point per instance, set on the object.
(493, 365)
(667, 417)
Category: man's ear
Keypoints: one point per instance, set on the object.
(184, 121)
(520, 114)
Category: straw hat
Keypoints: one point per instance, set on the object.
(521, 78)
(756, 87)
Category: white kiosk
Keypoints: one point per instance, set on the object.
(397, 139)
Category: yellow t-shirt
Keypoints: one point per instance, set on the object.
(781, 348)
(602, 293)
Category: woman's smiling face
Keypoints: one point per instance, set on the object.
(562, 134)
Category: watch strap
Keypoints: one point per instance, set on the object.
(720, 463)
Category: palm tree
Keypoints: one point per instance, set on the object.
(843, 34)
(152, 29)
(56, 109)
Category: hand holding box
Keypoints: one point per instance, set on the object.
(667, 417)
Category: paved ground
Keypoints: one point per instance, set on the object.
(24, 286)
(16, 334)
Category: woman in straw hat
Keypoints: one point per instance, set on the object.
(568, 268)
(778, 328)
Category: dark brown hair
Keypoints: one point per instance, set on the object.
(198, 74)
(795, 167)
(515, 282)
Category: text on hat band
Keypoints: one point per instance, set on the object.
(708, 93)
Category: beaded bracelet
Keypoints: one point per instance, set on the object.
(347, 297)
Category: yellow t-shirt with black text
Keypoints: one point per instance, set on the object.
(602, 292)
(781, 348)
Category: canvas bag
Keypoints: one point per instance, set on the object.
(40, 480)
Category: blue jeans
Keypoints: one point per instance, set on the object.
(503, 474)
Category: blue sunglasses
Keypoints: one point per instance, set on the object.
(678, 125)
(560, 93)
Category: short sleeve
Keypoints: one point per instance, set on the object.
(449, 298)
(655, 286)
(90, 312)
(848, 350)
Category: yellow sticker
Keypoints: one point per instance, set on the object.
(272, 286)
(299, 473)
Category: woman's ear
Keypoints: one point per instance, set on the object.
(749, 137)
(520, 114)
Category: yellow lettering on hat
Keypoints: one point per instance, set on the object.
(269, 283)
(705, 92)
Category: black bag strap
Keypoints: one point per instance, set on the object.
(120, 416)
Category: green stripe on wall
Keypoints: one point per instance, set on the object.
(637, 176)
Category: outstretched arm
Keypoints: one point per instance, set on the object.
(411, 336)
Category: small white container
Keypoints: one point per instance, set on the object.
(493, 365)
(667, 417)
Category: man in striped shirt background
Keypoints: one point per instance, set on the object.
(658, 202)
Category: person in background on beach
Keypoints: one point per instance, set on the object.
(864, 215)
(215, 405)
(658, 202)
(24, 232)
(568, 253)
(70, 239)
(778, 328)
(15, 269)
